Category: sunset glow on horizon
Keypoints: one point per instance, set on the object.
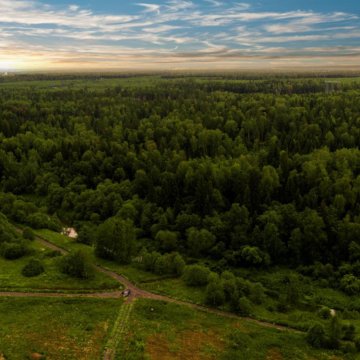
(178, 35)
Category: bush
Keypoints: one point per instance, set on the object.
(350, 284)
(253, 256)
(167, 240)
(86, 234)
(77, 265)
(196, 275)
(178, 264)
(13, 251)
(324, 312)
(52, 253)
(257, 293)
(348, 347)
(348, 331)
(244, 306)
(215, 295)
(33, 268)
(316, 336)
(28, 234)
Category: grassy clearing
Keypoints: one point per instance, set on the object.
(59, 329)
(162, 331)
(52, 279)
(132, 273)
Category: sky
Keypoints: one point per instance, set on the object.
(115, 35)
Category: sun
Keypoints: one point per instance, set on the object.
(8, 65)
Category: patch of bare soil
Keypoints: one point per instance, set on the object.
(36, 356)
(274, 354)
(190, 345)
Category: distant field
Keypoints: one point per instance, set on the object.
(59, 329)
(142, 82)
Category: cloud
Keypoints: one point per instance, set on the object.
(150, 7)
(172, 30)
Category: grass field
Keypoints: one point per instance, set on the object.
(59, 329)
(52, 279)
(163, 331)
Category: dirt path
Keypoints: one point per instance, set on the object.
(136, 293)
(119, 330)
(104, 295)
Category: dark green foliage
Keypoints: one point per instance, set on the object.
(249, 171)
(335, 332)
(350, 284)
(214, 295)
(167, 264)
(28, 234)
(115, 239)
(253, 256)
(357, 343)
(13, 251)
(324, 312)
(316, 336)
(196, 275)
(86, 234)
(348, 331)
(167, 240)
(77, 265)
(199, 242)
(52, 253)
(244, 306)
(33, 268)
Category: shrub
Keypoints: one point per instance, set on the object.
(86, 234)
(28, 234)
(196, 275)
(324, 312)
(316, 336)
(348, 331)
(348, 347)
(33, 268)
(244, 306)
(77, 265)
(253, 256)
(148, 261)
(335, 332)
(52, 253)
(13, 251)
(178, 264)
(350, 284)
(215, 295)
(167, 240)
(257, 293)
(161, 266)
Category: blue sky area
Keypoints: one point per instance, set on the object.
(181, 34)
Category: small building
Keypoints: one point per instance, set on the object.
(70, 232)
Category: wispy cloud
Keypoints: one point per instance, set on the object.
(154, 32)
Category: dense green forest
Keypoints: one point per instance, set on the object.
(237, 173)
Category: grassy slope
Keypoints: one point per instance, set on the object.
(59, 329)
